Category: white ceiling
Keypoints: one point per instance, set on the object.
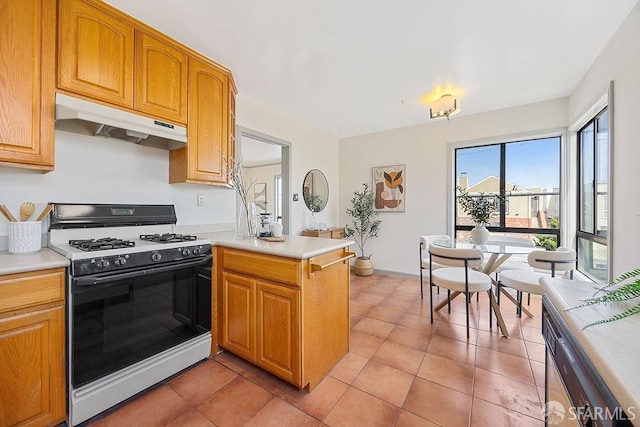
(352, 67)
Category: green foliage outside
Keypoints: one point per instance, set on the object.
(545, 241)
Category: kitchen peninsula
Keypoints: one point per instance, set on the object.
(283, 306)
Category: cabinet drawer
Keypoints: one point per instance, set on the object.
(28, 289)
(275, 268)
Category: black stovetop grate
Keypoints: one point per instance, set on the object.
(168, 238)
(89, 245)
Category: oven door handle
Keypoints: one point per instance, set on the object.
(99, 280)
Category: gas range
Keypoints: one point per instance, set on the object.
(107, 238)
(139, 300)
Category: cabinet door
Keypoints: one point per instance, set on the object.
(278, 326)
(32, 376)
(160, 79)
(95, 53)
(27, 83)
(238, 315)
(207, 129)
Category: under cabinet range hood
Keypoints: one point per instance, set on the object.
(89, 118)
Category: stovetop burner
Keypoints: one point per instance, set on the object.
(89, 245)
(167, 238)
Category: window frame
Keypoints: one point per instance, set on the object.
(580, 233)
(503, 209)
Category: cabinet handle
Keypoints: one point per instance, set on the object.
(317, 267)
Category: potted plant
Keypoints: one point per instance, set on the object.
(480, 208)
(363, 226)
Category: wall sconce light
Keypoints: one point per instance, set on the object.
(445, 106)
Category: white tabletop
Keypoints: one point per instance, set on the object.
(499, 248)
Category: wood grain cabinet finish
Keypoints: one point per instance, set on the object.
(27, 83)
(329, 233)
(278, 329)
(32, 371)
(95, 53)
(201, 161)
(110, 57)
(160, 78)
(276, 315)
(238, 315)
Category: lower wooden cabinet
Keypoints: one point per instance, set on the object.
(262, 324)
(238, 315)
(32, 357)
(277, 314)
(278, 330)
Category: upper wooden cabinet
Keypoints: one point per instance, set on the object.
(161, 78)
(208, 133)
(27, 83)
(106, 55)
(95, 53)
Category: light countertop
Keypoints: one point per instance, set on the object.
(613, 348)
(19, 263)
(298, 247)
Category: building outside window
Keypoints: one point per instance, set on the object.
(527, 172)
(592, 208)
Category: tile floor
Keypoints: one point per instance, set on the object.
(401, 370)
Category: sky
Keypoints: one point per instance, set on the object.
(533, 163)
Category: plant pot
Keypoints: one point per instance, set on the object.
(480, 234)
(363, 267)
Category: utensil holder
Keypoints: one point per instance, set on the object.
(25, 237)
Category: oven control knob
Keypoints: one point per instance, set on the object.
(156, 256)
(185, 252)
(196, 251)
(120, 261)
(103, 263)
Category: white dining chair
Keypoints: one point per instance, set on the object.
(425, 241)
(515, 262)
(457, 273)
(545, 264)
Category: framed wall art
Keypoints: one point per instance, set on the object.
(388, 188)
(260, 196)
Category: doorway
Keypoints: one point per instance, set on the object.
(266, 162)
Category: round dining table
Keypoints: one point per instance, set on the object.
(499, 252)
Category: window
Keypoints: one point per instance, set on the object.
(278, 195)
(528, 174)
(592, 203)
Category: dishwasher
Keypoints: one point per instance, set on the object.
(575, 394)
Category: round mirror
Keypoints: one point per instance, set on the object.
(315, 190)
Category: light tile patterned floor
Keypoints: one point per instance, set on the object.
(401, 370)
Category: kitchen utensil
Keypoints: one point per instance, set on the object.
(7, 214)
(45, 212)
(26, 210)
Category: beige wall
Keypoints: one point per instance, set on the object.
(620, 62)
(429, 174)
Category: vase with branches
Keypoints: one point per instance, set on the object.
(481, 209)
(247, 220)
(364, 226)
